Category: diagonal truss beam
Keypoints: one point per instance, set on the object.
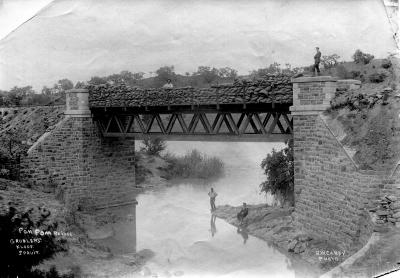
(216, 124)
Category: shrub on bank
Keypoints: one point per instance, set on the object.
(386, 63)
(278, 167)
(377, 77)
(153, 146)
(193, 165)
(16, 264)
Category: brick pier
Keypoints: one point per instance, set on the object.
(84, 168)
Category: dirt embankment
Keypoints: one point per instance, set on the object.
(24, 126)
(82, 254)
(368, 118)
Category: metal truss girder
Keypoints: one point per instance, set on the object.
(235, 124)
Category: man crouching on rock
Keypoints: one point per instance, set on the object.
(242, 213)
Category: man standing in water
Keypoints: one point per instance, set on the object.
(212, 195)
(317, 60)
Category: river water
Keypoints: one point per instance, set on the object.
(176, 224)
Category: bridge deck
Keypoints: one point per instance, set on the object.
(272, 89)
(250, 111)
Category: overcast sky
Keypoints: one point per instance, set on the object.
(79, 39)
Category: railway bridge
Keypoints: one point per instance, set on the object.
(90, 154)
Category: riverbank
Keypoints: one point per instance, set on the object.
(81, 255)
(276, 225)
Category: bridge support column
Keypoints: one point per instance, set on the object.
(313, 156)
(84, 168)
(311, 97)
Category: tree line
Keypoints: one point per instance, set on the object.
(204, 76)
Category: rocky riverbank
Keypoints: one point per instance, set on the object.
(81, 255)
(276, 225)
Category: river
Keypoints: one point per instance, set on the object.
(176, 224)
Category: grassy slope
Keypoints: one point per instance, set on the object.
(372, 131)
(27, 125)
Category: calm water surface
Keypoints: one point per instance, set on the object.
(176, 224)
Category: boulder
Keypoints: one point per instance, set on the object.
(292, 245)
(300, 248)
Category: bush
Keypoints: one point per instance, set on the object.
(386, 63)
(330, 61)
(377, 77)
(194, 165)
(361, 57)
(14, 264)
(355, 74)
(279, 169)
(153, 146)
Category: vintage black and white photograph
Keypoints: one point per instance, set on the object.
(188, 138)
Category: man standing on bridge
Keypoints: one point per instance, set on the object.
(168, 85)
(317, 60)
(212, 195)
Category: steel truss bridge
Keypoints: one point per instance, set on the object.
(223, 122)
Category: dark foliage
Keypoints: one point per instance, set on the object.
(279, 169)
(15, 264)
(153, 146)
(330, 61)
(361, 57)
(194, 165)
(386, 63)
(377, 77)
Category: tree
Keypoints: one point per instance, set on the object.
(96, 80)
(65, 84)
(275, 68)
(361, 57)
(17, 94)
(207, 74)
(330, 61)
(227, 72)
(137, 76)
(46, 91)
(163, 74)
(279, 169)
(80, 85)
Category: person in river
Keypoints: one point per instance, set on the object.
(212, 195)
(242, 213)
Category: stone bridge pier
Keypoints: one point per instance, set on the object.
(82, 168)
(332, 195)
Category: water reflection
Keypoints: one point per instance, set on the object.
(213, 228)
(119, 234)
(242, 230)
